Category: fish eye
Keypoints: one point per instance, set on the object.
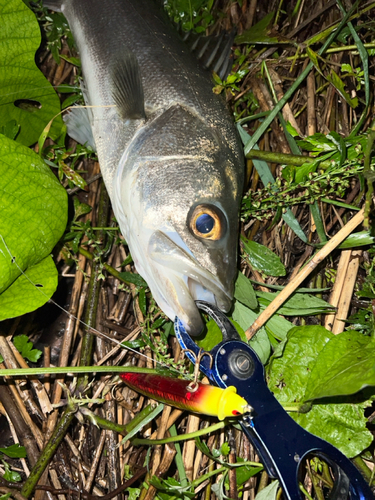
(207, 221)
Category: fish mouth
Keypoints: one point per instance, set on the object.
(187, 281)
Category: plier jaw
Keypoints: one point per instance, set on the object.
(282, 445)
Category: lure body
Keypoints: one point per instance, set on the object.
(206, 399)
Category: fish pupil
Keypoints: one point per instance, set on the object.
(204, 223)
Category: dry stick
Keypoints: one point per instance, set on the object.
(39, 388)
(311, 116)
(251, 14)
(169, 454)
(19, 385)
(156, 456)
(337, 287)
(15, 438)
(286, 111)
(95, 462)
(347, 292)
(314, 262)
(22, 428)
(189, 446)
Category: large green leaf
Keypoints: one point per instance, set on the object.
(343, 425)
(244, 291)
(299, 304)
(25, 94)
(33, 208)
(245, 317)
(262, 258)
(345, 366)
(30, 290)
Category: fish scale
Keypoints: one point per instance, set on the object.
(168, 151)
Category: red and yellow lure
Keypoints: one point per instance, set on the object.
(196, 397)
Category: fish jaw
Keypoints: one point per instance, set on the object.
(185, 282)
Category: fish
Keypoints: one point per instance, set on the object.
(168, 150)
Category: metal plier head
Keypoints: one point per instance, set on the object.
(282, 445)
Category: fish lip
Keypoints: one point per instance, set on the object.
(187, 276)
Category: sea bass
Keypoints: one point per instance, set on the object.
(168, 151)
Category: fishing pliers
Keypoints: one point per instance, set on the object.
(282, 445)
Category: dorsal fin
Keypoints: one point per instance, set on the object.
(127, 89)
(213, 51)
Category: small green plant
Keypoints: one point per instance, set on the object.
(191, 15)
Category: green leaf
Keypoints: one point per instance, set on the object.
(134, 344)
(269, 492)
(33, 209)
(262, 33)
(5, 496)
(142, 301)
(30, 290)
(261, 345)
(135, 279)
(299, 304)
(245, 472)
(10, 129)
(315, 212)
(14, 451)
(278, 327)
(262, 259)
(214, 336)
(260, 342)
(25, 347)
(343, 425)
(244, 291)
(225, 449)
(344, 366)
(133, 493)
(336, 81)
(10, 475)
(359, 239)
(25, 94)
(340, 144)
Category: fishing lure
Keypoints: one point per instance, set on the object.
(196, 397)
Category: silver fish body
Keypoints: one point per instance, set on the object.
(168, 151)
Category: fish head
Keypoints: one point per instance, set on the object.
(178, 207)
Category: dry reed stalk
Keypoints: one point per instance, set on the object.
(347, 292)
(189, 446)
(311, 114)
(337, 287)
(44, 401)
(286, 111)
(95, 461)
(162, 428)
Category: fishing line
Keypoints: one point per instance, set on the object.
(72, 316)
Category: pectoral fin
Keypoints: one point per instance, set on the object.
(78, 125)
(127, 89)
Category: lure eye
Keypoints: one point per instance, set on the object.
(207, 221)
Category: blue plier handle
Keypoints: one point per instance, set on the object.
(281, 443)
